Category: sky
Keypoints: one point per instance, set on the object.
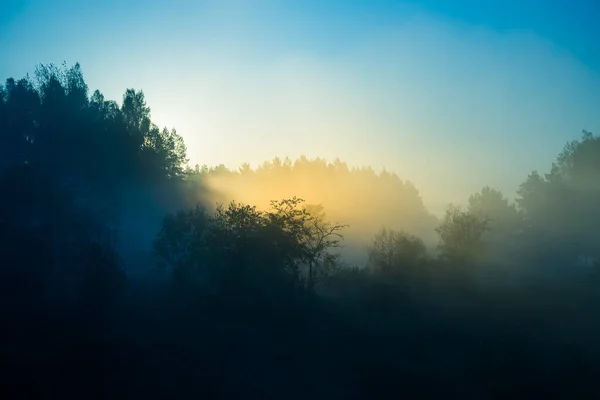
(451, 95)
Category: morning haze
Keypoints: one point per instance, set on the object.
(299, 199)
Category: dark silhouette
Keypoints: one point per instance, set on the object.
(125, 273)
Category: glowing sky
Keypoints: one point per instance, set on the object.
(451, 95)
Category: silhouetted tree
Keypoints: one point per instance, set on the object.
(66, 161)
(19, 121)
(242, 244)
(310, 236)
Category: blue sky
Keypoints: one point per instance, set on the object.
(452, 95)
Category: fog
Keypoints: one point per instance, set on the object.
(346, 193)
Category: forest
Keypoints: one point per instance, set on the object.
(126, 272)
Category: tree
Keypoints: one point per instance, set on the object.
(19, 121)
(460, 235)
(239, 244)
(492, 205)
(181, 242)
(578, 161)
(560, 207)
(67, 165)
(392, 253)
(503, 237)
(309, 236)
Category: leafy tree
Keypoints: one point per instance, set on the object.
(578, 161)
(560, 208)
(503, 238)
(392, 253)
(19, 121)
(532, 195)
(492, 205)
(239, 243)
(312, 235)
(460, 235)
